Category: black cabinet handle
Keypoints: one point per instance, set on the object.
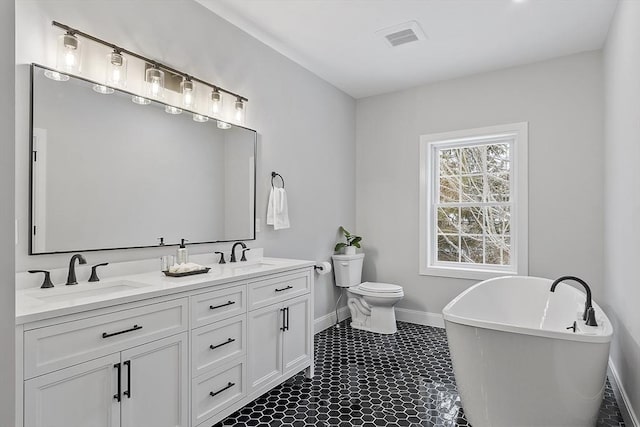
(229, 341)
(283, 327)
(284, 289)
(228, 386)
(287, 326)
(128, 391)
(135, 328)
(213, 307)
(117, 395)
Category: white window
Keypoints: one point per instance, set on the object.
(473, 202)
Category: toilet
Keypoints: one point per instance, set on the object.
(371, 303)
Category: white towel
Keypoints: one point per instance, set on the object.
(278, 210)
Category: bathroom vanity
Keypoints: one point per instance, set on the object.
(148, 350)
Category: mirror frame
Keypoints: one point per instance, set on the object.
(30, 156)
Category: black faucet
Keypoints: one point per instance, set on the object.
(589, 314)
(233, 250)
(71, 277)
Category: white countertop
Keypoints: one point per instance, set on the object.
(38, 304)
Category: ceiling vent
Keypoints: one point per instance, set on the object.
(404, 33)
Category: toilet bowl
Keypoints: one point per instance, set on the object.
(371, 304)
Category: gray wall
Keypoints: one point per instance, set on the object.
(306, 126)
(622, 196)
(7, 248)
(563, 102)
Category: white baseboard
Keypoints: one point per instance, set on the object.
(402, 314)
(328, 320)
(628, 414)
(420, 317)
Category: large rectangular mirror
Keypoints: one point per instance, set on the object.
(107, 173)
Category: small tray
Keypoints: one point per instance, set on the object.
(187, 273)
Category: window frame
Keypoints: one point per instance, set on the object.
(430, 144)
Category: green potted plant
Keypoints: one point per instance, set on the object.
(351, 244)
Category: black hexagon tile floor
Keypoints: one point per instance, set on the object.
(369, 380)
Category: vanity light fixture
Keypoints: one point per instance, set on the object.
(200, 118)
(239, 112)
(140, 100)
(116, 69)
(154, 78)
(216, 102)
(102, 89)
(67, 57)
(172, 110)
(188, 93)
(69, 49)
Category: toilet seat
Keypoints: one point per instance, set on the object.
(379, 287)
(375, 289)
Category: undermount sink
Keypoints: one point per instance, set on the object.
(248, 266)
(86, 290)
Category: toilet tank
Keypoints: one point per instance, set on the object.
(348, 269)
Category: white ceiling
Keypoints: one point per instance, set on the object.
(337, 40)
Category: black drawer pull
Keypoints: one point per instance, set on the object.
(215, 393)
(135, 328)
(229, 341)
(284, 289)
(213, 307)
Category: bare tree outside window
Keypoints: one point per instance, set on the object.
(473, 204)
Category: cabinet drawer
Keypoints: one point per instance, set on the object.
(271, 291)
(218, 343)
(65, 344)
(212, 393)
(218, 305)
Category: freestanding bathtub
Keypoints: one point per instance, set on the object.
(515, 362)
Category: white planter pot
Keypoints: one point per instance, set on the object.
(349, 250)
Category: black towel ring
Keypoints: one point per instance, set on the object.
(273, 175)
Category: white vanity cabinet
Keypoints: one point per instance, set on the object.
(79, 396)
(187, 358)
(140, 385)
(281, 330)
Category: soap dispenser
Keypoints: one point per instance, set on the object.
(183, 254)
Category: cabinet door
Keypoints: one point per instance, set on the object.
(83, 395)
(155, 384)
(296, 347)
(265, 342)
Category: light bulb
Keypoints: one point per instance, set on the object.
(155, 82)
(223, 125)
(116, 69)
(200, 118)
(155, 86)
(69, 50)
(69, 59)
(216, 102)
(239, 111)
(188, 93)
